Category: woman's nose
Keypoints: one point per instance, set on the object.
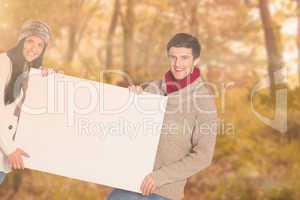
(35, 48)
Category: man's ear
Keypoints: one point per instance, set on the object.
(196, 61)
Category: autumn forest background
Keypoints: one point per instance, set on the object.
(243, 43)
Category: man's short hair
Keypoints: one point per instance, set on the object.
(185, 40)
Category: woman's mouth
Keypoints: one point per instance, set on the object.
(31, 54)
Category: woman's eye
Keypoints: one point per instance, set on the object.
(29, 41)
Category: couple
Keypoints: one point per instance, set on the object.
(189, 129)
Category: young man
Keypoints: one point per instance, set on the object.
(189, 129)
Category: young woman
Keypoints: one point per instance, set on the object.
(15, 65)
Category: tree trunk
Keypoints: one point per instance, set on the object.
(298, 39)
(128, 27)
(272, 43)
(110, 35)
(194, 20)
(78, 25)
(71, 44)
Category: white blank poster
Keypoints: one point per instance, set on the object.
(90, 131)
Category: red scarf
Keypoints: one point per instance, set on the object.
(174, 85)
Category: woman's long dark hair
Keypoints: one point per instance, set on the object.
(12, 89)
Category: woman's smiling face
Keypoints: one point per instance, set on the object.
(33, 48)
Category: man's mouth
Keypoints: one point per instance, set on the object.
(178, 69)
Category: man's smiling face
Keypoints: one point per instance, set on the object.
(182, 61)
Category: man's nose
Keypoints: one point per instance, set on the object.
(177, 63)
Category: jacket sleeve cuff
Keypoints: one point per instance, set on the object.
(8, 148)
(159, 177)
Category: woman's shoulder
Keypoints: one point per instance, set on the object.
(4, 58)
(5, 64)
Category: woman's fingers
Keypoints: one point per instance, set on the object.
(23, 153)
(18, 163)
(15, 163)
(12, 163)
(16, 160)
(21, 163)
(47, 71)
(44, 71)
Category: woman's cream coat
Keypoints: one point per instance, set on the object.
(8, 120)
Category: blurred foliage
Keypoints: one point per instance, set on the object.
(255, 162)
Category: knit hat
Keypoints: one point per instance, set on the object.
(36, 28)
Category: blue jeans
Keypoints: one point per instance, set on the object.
(2, 176)
(118, 194)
